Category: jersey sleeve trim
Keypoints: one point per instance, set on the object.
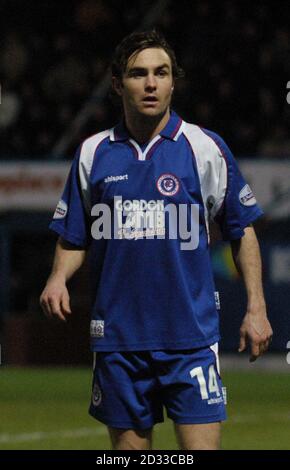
(223, 174)
(211, 168)
(238, 231)
(87, 155)
(221, 183)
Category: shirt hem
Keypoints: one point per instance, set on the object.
(149, 346)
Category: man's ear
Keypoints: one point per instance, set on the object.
(117, 85)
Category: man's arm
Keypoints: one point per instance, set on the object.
(255, 327)
(54, 299)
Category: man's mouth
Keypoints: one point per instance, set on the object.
(150, 99)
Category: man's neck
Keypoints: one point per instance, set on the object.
(144, 129)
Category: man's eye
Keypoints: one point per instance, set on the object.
(136, 74)
(162, 73)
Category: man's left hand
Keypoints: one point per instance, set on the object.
(255, 330)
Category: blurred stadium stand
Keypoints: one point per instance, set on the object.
(236, 57)
(54, 60)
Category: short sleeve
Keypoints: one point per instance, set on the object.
(236, 206)
(70, 219)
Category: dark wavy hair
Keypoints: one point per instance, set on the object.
(134, 43)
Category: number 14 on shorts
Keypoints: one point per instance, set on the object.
(211, 387)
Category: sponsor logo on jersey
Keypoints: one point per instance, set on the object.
(217, 300)
(140, 218)
(168, 184)
(96, 395)
(61, 210)
(134, 219)
(97, 328)
(247, 197)
(111, 179)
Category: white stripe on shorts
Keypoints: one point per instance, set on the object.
(215, 348)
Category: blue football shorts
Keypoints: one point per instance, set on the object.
(130, 388)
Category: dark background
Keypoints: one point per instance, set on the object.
(53, 57)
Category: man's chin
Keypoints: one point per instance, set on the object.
(152, 112)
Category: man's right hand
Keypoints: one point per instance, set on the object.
(54, 299)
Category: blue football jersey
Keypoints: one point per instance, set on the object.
(144, 213)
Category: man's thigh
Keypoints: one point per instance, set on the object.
(124, 392)
(130, 439)
(191, 387)
(198, 436)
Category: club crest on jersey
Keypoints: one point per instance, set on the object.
(97, 328)
(96, 395)
(61, 210)
(168, 184)
(247, 197)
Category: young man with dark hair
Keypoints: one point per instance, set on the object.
(132, 192)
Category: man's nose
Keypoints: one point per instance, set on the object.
(150, 82)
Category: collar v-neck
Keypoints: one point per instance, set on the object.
(120, 132)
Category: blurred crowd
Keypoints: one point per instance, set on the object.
(54, 53)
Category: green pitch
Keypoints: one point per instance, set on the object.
(47, 409)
